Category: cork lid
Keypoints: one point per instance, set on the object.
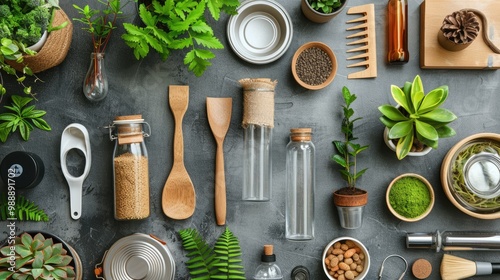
(301, 134)
(267, 255)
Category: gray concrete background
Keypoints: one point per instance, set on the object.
(140, 87)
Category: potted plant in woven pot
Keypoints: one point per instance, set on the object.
(321, 11)
(414, 126)
(349, 200)
(39, 255)
(170, 26)
(40, 29)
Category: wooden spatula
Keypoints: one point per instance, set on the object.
(178, 198)
(219, 117)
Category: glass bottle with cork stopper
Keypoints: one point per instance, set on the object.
(130, 168)
(268, 268)
(300, 181)
(258, 123)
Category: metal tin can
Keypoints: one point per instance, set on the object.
(23, 170)
(137, 256)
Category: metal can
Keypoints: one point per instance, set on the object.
(137, 256)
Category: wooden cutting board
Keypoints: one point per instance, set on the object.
(477, 56)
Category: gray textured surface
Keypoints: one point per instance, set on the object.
(140, 87)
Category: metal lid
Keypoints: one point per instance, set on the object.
(23, 170)
(261, 32)
(138, 256)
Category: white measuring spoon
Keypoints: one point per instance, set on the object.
(75, 136)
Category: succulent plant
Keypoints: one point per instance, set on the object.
(461, 27)
(418, 118)
(33, 258)
(325, 6)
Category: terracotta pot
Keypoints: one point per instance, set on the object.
(316, 16)
(330, 54)
(401, 217)
(350, 200)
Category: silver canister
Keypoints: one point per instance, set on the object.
(137, 256)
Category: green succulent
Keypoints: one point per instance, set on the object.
(36, 258)
(418, 116)
(325, 6)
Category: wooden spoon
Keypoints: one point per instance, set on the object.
(178, 198)
(219, 118)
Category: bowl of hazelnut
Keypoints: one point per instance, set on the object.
(346, 258)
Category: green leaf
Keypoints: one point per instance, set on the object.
(404, 146)
(207, 40)
(439, 115)
(445, 131)
(417, 94)
(340, 160)
(400, 98)
(426, 130)
(392, 113)
(431, 101)
(202, 27)
(401, 129)
(20, 101)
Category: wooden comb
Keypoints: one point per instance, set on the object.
(367, 41)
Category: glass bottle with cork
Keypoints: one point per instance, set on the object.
(130, 168)
(300, 181)
(397, 35)
(268, 269)
(258, 123)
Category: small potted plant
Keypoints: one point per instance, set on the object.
(418, 121)
(350, 200)
(179, 25)
(39, 256)
(321, 11)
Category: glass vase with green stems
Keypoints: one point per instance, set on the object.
(417, 117)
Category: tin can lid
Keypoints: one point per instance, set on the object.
(21, 169)
(138, 256)
(261, 32)
(482, 174)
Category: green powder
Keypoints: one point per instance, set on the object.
(409, 197)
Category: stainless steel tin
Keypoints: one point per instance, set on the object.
(482, 174)
(138, 256)
(261, 32)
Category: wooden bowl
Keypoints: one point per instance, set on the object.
(446, 182)
(421, 216)
(331, 55)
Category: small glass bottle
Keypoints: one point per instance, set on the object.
(300, 181)
(268, 268)
(130, 168)
(258, 123)
(95, 85)
(397, 15)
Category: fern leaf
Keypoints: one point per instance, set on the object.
(207, 40)
(25, 210)
(199, 253)
(202, 27)
(228, 242)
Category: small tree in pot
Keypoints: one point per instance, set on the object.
(349, 200)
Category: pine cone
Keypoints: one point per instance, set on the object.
(461, 27)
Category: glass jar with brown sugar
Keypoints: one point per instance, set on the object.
(130, 168)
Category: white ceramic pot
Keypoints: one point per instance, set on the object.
(38, 46)
(391, 146)
(365, 261)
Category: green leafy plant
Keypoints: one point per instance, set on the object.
(100, 23)
(36, 258)
(175, 25)
(347, 149)
(21, 117)
(221, 262)
(22, 209)
(418, 120)
(25, 21)
(325, 6)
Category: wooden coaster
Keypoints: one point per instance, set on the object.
(421, 269)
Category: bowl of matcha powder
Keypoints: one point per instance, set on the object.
(410, 197)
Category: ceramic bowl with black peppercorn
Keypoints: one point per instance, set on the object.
(314, 65)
